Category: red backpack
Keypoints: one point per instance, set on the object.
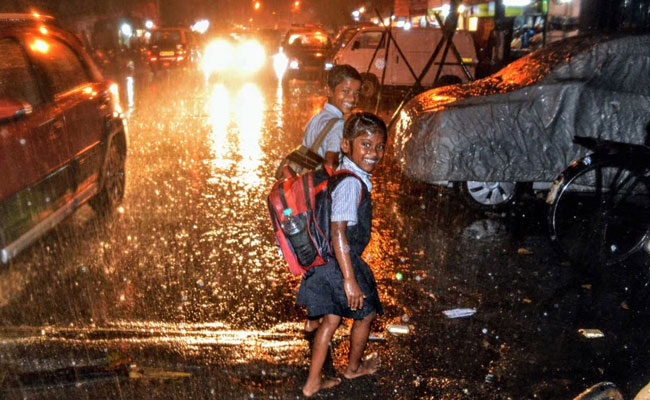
(308, 199)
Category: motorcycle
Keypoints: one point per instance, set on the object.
(599, 210)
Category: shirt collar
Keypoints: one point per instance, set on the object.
(331, 108)
(346, 163)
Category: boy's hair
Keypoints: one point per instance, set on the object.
(339, 73)
(360, 123)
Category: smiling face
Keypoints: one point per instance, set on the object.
(366, 150)
(345, 95)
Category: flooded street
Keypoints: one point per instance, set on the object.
(183, 295)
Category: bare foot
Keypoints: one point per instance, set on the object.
(328, 383)
(368, 367)
(312, 324)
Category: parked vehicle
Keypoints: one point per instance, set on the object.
(489, 137)
(306, 48)
(62, 137)
(345, 34)
(172, 48)
(417, 46)
(599, 210)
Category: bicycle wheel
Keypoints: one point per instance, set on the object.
(601, 212)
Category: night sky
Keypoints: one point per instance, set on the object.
(329, 12)
(184, 12)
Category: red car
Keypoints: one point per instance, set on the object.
(62, 137)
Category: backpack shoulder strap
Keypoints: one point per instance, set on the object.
(323, 133)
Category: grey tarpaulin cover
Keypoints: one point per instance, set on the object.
(518, 124)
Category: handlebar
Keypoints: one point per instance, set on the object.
(609, 146)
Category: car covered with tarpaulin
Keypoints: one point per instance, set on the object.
(516, 126)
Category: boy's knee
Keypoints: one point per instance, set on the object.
(331, 320)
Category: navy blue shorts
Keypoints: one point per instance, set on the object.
(322, 292)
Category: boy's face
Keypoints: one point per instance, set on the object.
(345, 95)
(366, 150)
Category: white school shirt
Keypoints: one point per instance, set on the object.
(332, 141)
(346, 195)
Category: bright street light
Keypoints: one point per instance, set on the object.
(126, 30)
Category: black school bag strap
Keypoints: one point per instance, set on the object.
(323, 133)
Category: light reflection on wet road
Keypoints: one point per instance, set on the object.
(187, 278)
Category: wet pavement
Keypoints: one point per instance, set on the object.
(182, 294)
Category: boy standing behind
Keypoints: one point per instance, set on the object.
(343, 84)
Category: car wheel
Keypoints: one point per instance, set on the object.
(489, 195)
(114, 178)
(369, 87)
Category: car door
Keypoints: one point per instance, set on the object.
(83, 106)
(32, 147)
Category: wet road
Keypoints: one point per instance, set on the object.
(182, 295)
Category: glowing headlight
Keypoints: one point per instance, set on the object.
(328, 66)
(218, 56)
(251, 56)
(294, 64)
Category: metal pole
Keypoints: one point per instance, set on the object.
(502, 34)
(383, 71)
(399, 50)
(453, 48)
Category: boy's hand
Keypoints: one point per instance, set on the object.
(354, 294)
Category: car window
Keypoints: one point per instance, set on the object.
(370, 40)
(16, 79)
(166, 37)
(344, 37)
(61, 65)
(315, 39)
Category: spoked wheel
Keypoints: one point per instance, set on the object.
(600, 212)
(112, 191)
(369, 88)
(488, 195)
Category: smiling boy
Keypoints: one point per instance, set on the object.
(343, 84)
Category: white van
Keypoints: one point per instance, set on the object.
(418, 45)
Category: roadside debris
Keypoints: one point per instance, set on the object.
(591, 333)
(376, 338)
(397, 330)
(156, 373)
(459, 312)
(524, 251)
